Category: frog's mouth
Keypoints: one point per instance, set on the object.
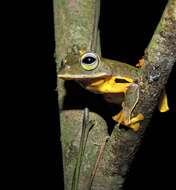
(83, 77)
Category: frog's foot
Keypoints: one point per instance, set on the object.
(119, 117)
(140, 63)
(133, 123)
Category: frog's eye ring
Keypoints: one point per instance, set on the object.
(89, 61)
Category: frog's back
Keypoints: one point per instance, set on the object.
(122, 70)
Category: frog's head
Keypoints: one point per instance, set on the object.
(83, 66)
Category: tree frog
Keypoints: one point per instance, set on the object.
(105, 76)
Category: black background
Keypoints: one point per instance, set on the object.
(35, 155)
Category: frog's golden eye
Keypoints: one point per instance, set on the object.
(89, 61)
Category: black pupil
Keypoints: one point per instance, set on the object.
(88, 60)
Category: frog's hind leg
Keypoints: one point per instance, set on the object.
(130, 101)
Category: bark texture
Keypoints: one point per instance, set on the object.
(73, 24)
(160, 56)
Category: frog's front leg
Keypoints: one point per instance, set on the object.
(130, 101)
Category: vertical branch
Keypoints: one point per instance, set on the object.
(74, 24)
